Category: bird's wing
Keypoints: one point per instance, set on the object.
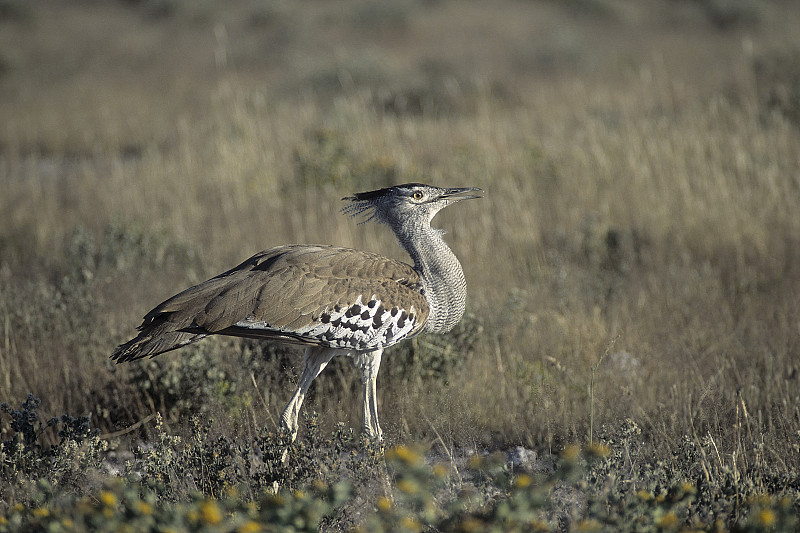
(322, 295)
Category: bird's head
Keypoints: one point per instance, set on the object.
(400, 203)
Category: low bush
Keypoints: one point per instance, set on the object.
(335, 482)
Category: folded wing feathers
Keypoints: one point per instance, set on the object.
(281, 292)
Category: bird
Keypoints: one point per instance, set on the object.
(329, 299)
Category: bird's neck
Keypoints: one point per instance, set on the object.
(441, 273)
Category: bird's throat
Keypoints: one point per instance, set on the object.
(442, 276)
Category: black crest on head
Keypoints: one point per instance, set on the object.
(377, 193)
(361, 202)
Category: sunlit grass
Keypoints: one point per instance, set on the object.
(636, 199)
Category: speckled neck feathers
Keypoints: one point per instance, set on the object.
(444, 285)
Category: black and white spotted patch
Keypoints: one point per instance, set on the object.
(363, 325)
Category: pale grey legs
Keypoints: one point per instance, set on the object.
(369, 363)
(314, 361)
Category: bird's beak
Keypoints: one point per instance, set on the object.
(456, 194)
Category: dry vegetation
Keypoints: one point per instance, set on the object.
(642, 168)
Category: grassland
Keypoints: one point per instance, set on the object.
(634, 269)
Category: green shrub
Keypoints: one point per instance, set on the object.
(191, 384)
(214, 483)
(25, 458)
(123, 506)
(434, 358)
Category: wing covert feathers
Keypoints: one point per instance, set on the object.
(323, 295)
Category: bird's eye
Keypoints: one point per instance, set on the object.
(417, 195)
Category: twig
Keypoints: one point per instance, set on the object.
(137, 425)
(591, 387)
(260, 397)
(446, 449)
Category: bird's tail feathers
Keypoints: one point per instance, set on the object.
(147, 344)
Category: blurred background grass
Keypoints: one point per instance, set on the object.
(641, 162)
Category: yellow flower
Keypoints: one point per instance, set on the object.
(589, 525)
(407, 486)
(404, 454)
(571, 453)
(67, 523)
(384, 504)
(108, 498)
(766, 517)
(471, 525)
(475, 461)
(523, 481)
(668, 520)
(276, 500)
(210, 512)
(439, 470)
(249, 527)
(759, 499)
(644, 495)
(600, 451)
(3, 520)
(144, 508)
(41, 512)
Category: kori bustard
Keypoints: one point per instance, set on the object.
(335, 301)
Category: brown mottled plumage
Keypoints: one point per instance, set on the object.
(287, 287)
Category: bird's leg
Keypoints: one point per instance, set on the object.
(369, 363)
(314, 361)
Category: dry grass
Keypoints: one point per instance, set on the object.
(641, 195)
